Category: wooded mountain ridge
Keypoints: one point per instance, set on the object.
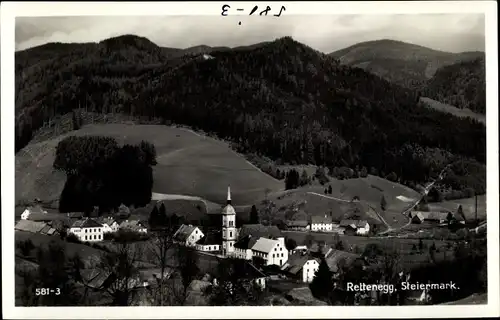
(281, 99)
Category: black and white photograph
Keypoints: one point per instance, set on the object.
(250, 156)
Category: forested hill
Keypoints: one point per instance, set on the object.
(462, 85)
(281, 99)
(406, 64)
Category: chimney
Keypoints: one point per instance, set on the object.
(228, 194)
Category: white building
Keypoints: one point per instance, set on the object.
(109, 225)
(321, 223)
(301, 265)
(243, 247)
(29, 210)
(229, 231)
(272, 251)
(298, 249)
(87, 230)
(188, 235)
(209, 243)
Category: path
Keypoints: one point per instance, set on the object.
(328, 197)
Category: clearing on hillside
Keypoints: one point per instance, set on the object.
(188, 164)
(457, 112)
(468, 206)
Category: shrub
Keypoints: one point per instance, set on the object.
(72, 238)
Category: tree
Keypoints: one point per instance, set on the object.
(188, 266)
(392, 177)
(254, 215)
(154, 218)
(339, 245)
(460, 212)
(383, 203)
(25, 246)
(308, 241)
(322, 283)
(420, 245)
(372, 251)
(364, 172)
(120, 267)
(304, 178)
(160, 245)
(162, 216)
(290, 244)
(449, 217)
(75, 121)
(330, 189)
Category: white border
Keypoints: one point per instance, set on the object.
(10, 9)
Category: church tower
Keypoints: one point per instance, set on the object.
(228, 226)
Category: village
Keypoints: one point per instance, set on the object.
(270, 257)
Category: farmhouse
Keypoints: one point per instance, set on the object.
(109, 224)
(321, 223)
(209, 242)
(188, 235)
(360, 227)
(302, 266)
(429, 216)
(299, 249)
(297, 225)
(243, 247)
(37, 209)
(133, 225)
(87, 230)
(246, 271)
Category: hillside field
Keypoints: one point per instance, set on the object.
(188, 164)
(468, 206)
(311, 200)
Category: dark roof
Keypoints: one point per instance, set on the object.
(45, 229)
(297, 223)
(36, 209)
(335, 256)
(210, 239)
(46, 216)
(74, 214)
(184, 232)
(321, 219)
(247, 242)
(30, 226)
(296, 262)
(259, 230)
(86, 223)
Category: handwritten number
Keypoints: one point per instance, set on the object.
(282, 9)
(253, 10)
(224, 9)
(265, 11)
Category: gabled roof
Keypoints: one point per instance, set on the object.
(321, 219)
(296, 262)
(210, 239)
(246, 242)
(86, 223)
(46, 216)
(132, 224)
(432, 215)
(45, 229)
(259, 230)
(184, 231)
(30, 226)
(106, 220)
(418, 215)
(264, 245)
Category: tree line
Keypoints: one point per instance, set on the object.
(101, 173)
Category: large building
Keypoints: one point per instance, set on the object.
(87, 230)
(229, 231)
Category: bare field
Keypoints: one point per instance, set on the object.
(188, 164)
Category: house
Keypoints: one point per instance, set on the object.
(75, 215)
(319, 250)
(188, 235)
(46, 217)
(416, 217)
(360, 227)
(271, 251)
(30, 226)
(133, 225)
(30, 210)
(458, 218)
(430, 216)
(297, 225)
(299, 249)
(210, 242)
(243, 247)
(301, 265)
(109, 224)
(242, 270)
(87, 230)
(321, 223)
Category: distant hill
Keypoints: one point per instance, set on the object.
(280, 99)
(461, 84)
(402, 63)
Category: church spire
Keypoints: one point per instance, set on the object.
(228, 194)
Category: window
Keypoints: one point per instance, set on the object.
(196, 231)
(230, 223)
(275, 249)
(282, 255)
(273, 255)
(85, 237)
(230, 244)
(230, 233)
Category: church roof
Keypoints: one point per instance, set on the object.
(228, 209)
(264, 245)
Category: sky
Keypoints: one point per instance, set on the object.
(326, 33)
